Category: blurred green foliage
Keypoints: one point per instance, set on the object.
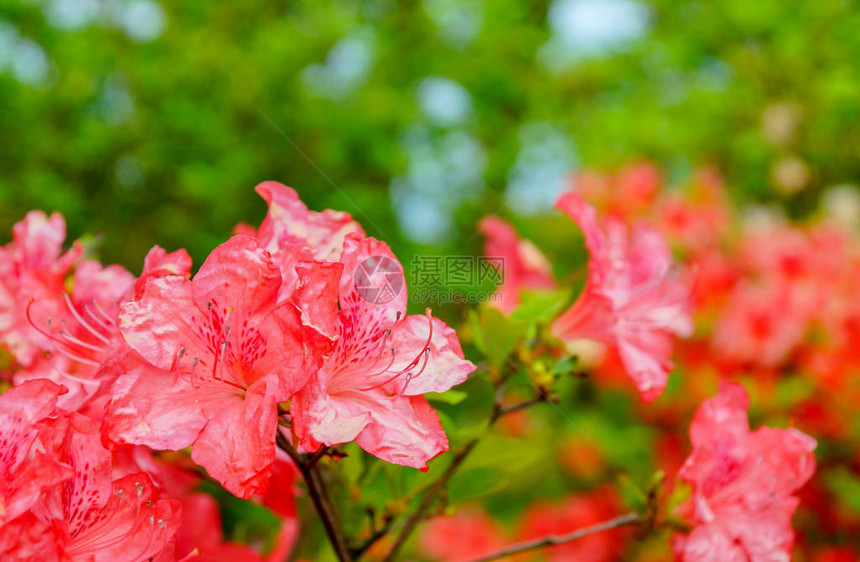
(161, 140)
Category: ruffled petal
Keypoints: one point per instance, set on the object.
(445, 364)
(160, 324)
(237, 274)
(157, 408)
(403, 430)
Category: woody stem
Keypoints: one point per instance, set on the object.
(419, 514)
(552, 540)
(319, 496)
(427, 500)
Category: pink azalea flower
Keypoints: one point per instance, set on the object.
(57, 470)
(201, 531)
(631, 300)
(32, 268)
(159, 263)
(291, 233)
(525, 267)
(69, 325)
(743, 483)
(27, 469)
(83, 337)
(380, 362)
(218, 356)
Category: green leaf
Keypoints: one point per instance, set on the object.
(496, 335)
(460, 433)
(541, 306)
(503, 454)
(474, 484)
(352, 465)
(451, 397)
(792, 390)
(844, 486)
(565, 366)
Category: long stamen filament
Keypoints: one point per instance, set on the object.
(107, 326)
(64, 333)
(424, 353)
(81, 320)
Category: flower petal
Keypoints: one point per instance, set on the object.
(446, 367)
(403, 430)
(237, 446)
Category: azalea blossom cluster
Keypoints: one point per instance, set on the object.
(633, 300)
(740, 485)
(131, 398)
(275, 338)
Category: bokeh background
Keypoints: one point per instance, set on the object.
(150, 122)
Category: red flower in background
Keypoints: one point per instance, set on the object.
(67, 308)
(742, 483)
(525, 267)
(575, 513)
(219, 355)
(467, 535)
(632, 301)
(32, 268)
(628, 193)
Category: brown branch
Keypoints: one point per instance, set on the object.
(375, 535)
(426, 501)
(524, 405)
(320, 498)
(553, 540)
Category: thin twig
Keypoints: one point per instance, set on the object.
(426, 501)
(524, 405)
(319, 495)
(312, 461)
(375, 535)
(553, 540)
